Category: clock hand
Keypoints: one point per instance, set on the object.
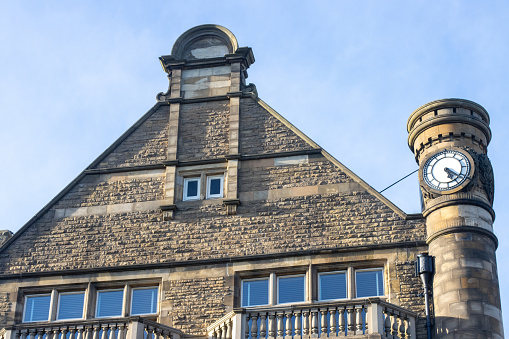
(450, 172)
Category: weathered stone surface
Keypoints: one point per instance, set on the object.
(146, 145)
(203, 131)
(197, 303)
(261, 132)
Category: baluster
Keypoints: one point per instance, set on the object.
(314, 323)
(332, 321)
(96, 328)
(49, 333)
(37, 333)
(272, 325)
(394, 321)
(305, 325)
(350, 320)
(358, 318)
(33, 332)
(254, 326)
(23, 334)
(247, 327)
(341, 319)
(408, 330)
(387, 322)
(298, 326)
(64, 332)
(366, 319)
(401, 327)
(105, 331)
(323, 321)
(113, 329)
(263, 325)
(220, 332)
(72, 332)
(229, 328)
(121, 331)
(224, 330)
(214, 334)
(289, 329)
(280, 331)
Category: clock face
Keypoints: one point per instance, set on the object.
(446, 170)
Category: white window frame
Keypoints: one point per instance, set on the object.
(209, 179)
(25, 307)
(143, 288)
(345, 272)
(83, 307)
(255, 279)
(291, 276)
(198, 190)
(367, 270)
(97, 302)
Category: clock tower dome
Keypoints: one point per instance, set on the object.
(449, 139)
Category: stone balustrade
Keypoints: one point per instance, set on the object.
(111, 328)
(360, 317)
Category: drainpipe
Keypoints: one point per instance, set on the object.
(425, 268)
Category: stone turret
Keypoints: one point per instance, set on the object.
(449, 139)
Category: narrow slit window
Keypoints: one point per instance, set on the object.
(255, 292)
(144, 301)
(215, 187)
(70, 305)
(109, 303)
(37, 308)
(191, 189)
(369, 283)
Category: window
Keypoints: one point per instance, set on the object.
(144, 301)
(70, 305)
(191, 189)
(215, 186)
(290, 289)
(369, 283)
(277, 288)
(109, 303)
(332, 285)
(255, 292)
(37, 308)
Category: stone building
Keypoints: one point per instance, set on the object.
(213, 216)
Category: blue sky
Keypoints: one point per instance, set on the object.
(75, 75)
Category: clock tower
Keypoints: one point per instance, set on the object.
(449, 139)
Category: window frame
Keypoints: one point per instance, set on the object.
(278, 277)
(318, 284)
(368, 270)
(34, 296)
(185, 197)
(96, 313)
(255, 279)
(221, 189)
(131, 296)
(58, 305)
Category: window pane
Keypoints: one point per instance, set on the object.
(332, 286)
(70, 306)
(369, 283)
(290, 289)
(109, 303)
(144, 301)
(37, 308)
(255, 292)
(192, 188)
(215, 186)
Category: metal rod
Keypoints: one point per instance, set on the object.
(406, 176)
